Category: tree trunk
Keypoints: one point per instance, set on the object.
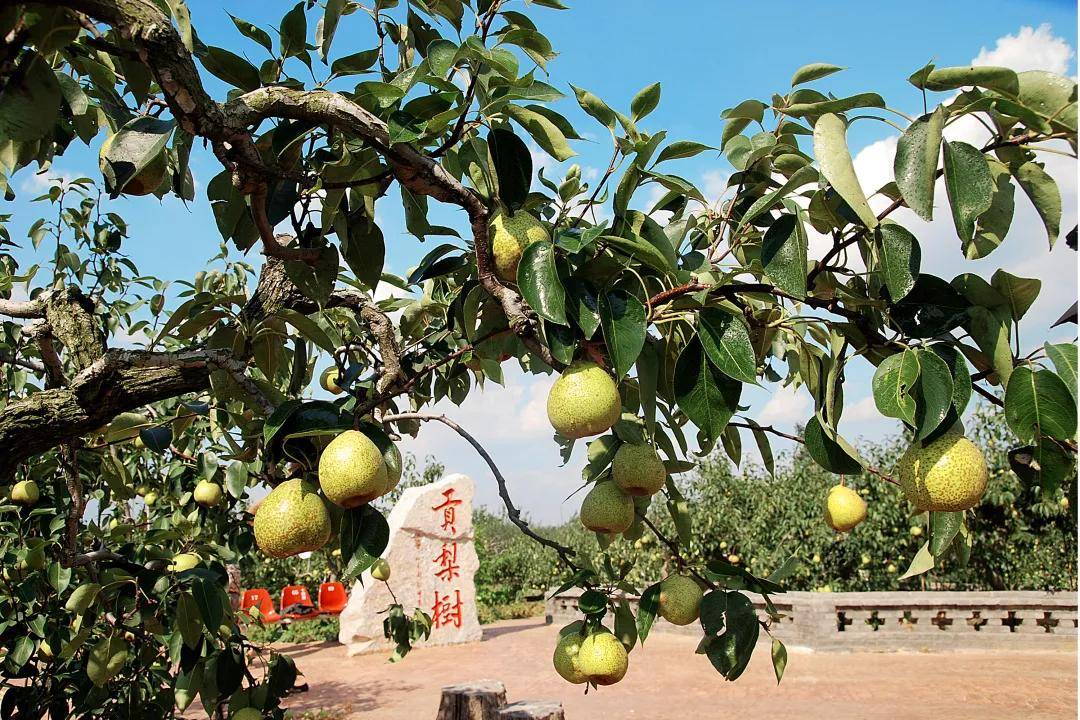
(532, 710)
(478, 700)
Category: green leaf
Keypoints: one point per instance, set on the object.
(730, 653)
(315, 281)
(779, 659)
(595, 107)
(943, 528)
(308, 328)
(293, 31)
(584, 306)
(707, 396)
(784, 254)
(622, 319)
(961, 375)
(915, 165)
(931, 308)
(1045, 465)
(990, 330)
(539, 282)
(1019, 292)
(648, 605)
(253, 32)
(831, 150)
(236, 478)
(826, 452)
(933, 393)
(132, 148)
(1040, 188)
(969, 184)
(328, 25)
(546, 134)
(986, 76)
(640, 249)
(1049, 95)
(681, 149)
(993, 225)
(364, 250)
(811, 72)
(893, 385)
(645, 101)
(230, 67)
(648, 369)
(803, 176)
(363, 537)
(838, 105)
(1063, 356)
(922, 562)
(29, 99)
(764, 446)
(1038, 403)
(513, 167)
(726, 340)
(625, 625)
(901, 258)
(356, 63)
(208, 598)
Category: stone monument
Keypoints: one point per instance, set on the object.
(432, 563)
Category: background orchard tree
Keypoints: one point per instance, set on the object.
(100, 615)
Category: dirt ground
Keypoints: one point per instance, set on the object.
(667, 681)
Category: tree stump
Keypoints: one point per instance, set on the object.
(478, 700)
(532, 710)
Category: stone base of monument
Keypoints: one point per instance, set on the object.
(433, 562)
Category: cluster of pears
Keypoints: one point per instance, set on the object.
(947, 474)
(353, 471)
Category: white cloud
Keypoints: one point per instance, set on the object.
(42, 181)
(1029, 49)
(786, 407)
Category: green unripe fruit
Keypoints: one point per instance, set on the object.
(844, 508)
(915, 531)
(566, 652)
(509, 238)
(25, 493)
(351, 470)
(638, 470)
(142, 489)
(584, 401)
(602, 658)
(949, 474)
(607, 509)
(865, 559)
(248, 713)
(680, 600)
(147, 180)
(150, 498)
(207, 494)
(733, 559)
(380, 570)
(292, 519)
(184, 561)
(891, 568)
(329, 380)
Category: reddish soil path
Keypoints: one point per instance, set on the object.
(666, 681)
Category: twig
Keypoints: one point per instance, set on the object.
(673, 548)
(272, 244)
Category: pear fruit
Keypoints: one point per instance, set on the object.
(380, 570)
(292, 519)
(948, 474)
(352, 471)
(638, 470)
(147, 180)
(680, 599)
(566, 652)
(207, 494)
(150, 498)
(584, 401)
(329, 380)
(915, 531)
(25, 493)
(510, 235)
(248, 713)
(607, 509)
(844, 508)
(184, 561)
(602, 658)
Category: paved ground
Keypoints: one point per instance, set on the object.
(667, 681)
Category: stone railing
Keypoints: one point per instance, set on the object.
(901, 620)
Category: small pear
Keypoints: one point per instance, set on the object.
(566, 652)
(915, 531)
(510, 235)
(329, 380)
(638, 470)
(602, 658)
(150, 498)
(147, 180)
(292, 519)
(680, 600)
(380, 570)
(844, 508)
(352, 471)
(607, 509)
(25, 493)
(184, 561)
(949, 474)
(584, 401)
(207, 494)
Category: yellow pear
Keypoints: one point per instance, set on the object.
(25, 493)
(680, 600)
(292, 519)
(184, 561)
(566, 653)
(329, 380)
(948, 474)
(607, 509)
(602, 658)
(380, 570)
(207, 494)
(510, 235)
(352, 471)
(584, 401)
(638, 470)
(844, 508)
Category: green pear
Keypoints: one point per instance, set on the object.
(329, 380)
(844, 508)
(584, 401)
(607, 509)
(602, 658)
(292, 519)
(949, 474)
(380, 570)
(207, 494)
(150, 498)
(184, 561)
(566, 651)
(25, 493)
(352, 471)
(248, 713)
(680, 600)
(638, 470)
(147, 180)
(510, 235)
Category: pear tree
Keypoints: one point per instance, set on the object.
(130, 470)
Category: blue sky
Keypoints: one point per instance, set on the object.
(708, 56)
